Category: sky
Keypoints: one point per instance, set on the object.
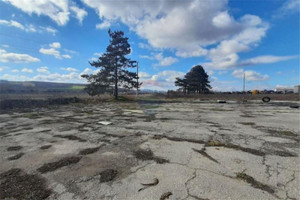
(54, 40)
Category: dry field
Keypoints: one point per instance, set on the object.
(151, 150)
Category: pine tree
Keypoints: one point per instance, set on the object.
(182, 83)
(195, 81)
(114, 65)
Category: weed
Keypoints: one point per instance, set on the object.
(254, 183)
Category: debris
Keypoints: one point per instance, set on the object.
(155, 182)
(221, 101)
(294, 106)
(108, 175)
(105, 123)
(134, 111)
(266, 99)
(165, 195)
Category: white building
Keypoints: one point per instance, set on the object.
(297, 89)
(284, 90)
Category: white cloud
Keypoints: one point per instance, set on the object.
(98, 54)
(165, 61)
(145, 46)
(79, 13)
(266, 59)
(43, 70)
(53, 50)
(225, 55)
(28, 27)
(191, 52)
(58, 11)
(12, 23)
(288, 7)
(70, 69)
(15, 70)
(161, 81)
(16, 57)
(49, 29)
(164, 24)
(26, 70)
(103, 25)
(188, 27)
(249, 75)
(55, 45)
(162, 61)
(143, 75)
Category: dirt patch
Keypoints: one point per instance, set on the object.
(14, 148)
(158, 137)
(247, 116)
(276, 132)
(254, 183)
(149, 117)
(213, 143)
(108, 175)
(48, 167)
(70, 137)
(31, 115)
(45, 147)
(203, 153)
(142, 154)
(17, 184)
(16, 157)
(88, 151)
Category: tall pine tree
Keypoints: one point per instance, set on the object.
(114, 65)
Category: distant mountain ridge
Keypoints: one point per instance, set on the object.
(38, 87)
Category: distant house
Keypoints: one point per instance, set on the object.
(297, 89)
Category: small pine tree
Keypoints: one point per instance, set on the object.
(113, 64)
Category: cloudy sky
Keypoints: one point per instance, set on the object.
(53, 40)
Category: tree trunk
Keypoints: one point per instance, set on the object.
(116, 81)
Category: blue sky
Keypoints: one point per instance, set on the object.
(54, 40)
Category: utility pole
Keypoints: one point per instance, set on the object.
(244, 82)
(137, 80)
(244, 87)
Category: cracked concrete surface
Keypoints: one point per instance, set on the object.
(206, 145)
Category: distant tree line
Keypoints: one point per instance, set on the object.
(195, 81)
